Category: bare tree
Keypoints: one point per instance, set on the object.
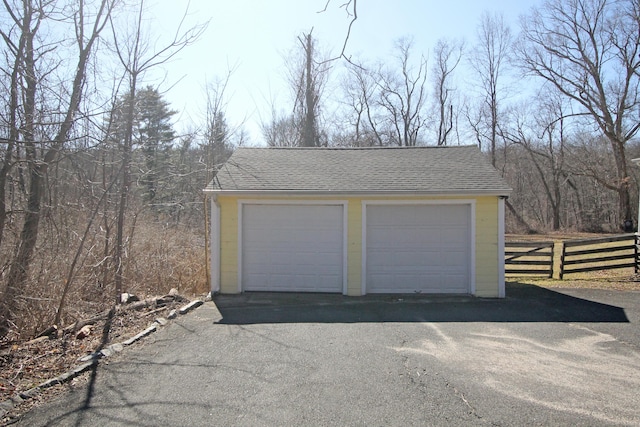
(280, 131)
(540, 128)
(589, 50)
(307, 77)
(88, 25)
(220, 137)
(17, 50)
(280, 128)
(488, 59)
(448, 55)
(360, 88)
(310, 106)
(386, 103)
(403, 95)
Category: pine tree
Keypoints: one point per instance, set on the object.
(154, 135)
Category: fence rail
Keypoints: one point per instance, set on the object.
(604, 253)
(577, 256)
(529, 258)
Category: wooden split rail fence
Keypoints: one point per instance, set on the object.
(605, 253)
(577, 256)
(529, 258)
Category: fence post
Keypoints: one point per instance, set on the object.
(562, 260)
(553, 259)
(636, 238)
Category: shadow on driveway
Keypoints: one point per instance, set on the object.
(524, 303)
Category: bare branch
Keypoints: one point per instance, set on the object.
(353, 14)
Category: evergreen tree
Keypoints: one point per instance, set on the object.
(154, 135)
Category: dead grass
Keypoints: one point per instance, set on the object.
(159, 257)
(162, 258)
(556, 236)
(620, 280)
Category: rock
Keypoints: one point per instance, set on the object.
(63, 378)
(84, 332)
(32, 392)
(173, 292)
(172, 314)
(126, 298)
(90, 357)
(107, 352)
(193, 304)
(49, 383)
(117, 347)
(142, 334)
(84, 367)
(162, 321)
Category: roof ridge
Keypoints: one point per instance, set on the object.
(360, 148)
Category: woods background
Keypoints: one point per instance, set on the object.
(101, 185)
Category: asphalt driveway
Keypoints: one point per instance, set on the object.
(539, 357)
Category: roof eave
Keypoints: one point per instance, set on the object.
(324, 193)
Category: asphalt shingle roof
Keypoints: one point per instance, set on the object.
(434, 170)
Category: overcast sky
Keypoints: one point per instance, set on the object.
(253, 36)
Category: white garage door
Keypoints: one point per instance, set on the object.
(418, 248)
(294, 248)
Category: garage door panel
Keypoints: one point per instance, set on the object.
(418, 248)
(450, 261)
(292, 248)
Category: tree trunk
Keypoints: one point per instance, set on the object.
(557, 202)
(624, 197)
(625, 211)
(24, 250)
(28, 237)
(309, 134)
(124, 190)
(4, 171)
(13, 138)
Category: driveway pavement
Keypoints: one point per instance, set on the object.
(539, 357)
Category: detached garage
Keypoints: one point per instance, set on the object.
(358, 221)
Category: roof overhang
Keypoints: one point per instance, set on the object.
(345, 193)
